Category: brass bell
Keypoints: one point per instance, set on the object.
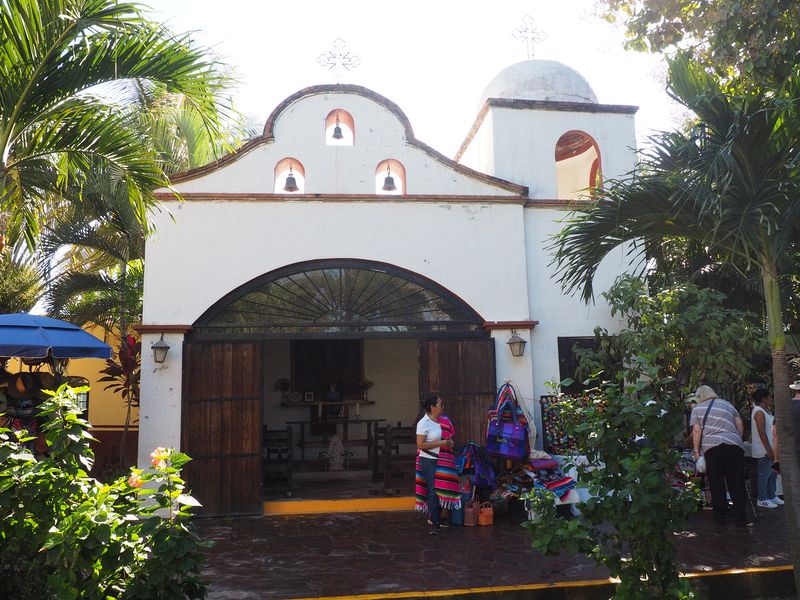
(337, 131)
(388, 182)
(291, 182)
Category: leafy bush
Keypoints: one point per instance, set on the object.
(66, 535)
(628, 522)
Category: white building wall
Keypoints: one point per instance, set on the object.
(524, 143)
(300, 133)
(223, 245)
(559, 313)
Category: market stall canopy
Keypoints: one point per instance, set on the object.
(31, 336)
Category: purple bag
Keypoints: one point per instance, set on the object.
(506, 439)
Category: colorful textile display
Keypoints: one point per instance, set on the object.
(472, 459)
(446, 484)
(506, 439)
(556, 440)
(507, 429)
(541, 464)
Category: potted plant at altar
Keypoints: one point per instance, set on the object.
(283, 386)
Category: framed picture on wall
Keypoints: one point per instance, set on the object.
(308, 396)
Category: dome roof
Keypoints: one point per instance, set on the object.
(540, 80)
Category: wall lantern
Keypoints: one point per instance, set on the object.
(516, 344)
(160, 349)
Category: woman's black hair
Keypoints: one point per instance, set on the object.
(429, 401)
(759, 395)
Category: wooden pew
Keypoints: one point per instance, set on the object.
(397, 459)
(276, 456)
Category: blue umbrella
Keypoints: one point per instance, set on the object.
(31, 336)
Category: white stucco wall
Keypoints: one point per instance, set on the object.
(487, 248)
(524, 143)
(211, 248)
(299, 133)
(559, 313)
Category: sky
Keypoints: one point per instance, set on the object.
(433, 59)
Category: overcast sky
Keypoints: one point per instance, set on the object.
(433, 59)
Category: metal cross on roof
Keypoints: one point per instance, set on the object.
(528, 33)
(338, 59)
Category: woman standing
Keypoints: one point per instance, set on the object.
(762, 436)
(429, 442)
(717, 434)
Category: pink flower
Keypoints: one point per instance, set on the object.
(135, 481)
(160, 456)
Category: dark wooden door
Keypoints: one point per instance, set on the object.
(221, 425)
(463, 373)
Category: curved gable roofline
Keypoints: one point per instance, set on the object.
(268, 137)
(337, 88)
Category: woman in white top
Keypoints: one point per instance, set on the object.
(429, 440)
(763, 444)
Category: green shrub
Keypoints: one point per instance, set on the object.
(629, 520)
(66, 535)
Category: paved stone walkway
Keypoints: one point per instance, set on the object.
(258, 558)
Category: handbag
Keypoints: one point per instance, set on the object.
(506, 439)
(471, 510)
(486, 514)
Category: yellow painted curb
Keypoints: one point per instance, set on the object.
(312, 507)
(535, 586)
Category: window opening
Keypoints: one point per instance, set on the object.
(290, 177)
(339, 128)
(578, 166)
(390, 178)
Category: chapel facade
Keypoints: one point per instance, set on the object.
(336, 268)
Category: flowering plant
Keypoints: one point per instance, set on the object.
(82, 538)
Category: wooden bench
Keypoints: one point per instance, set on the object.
(276, 457)
(397, 458)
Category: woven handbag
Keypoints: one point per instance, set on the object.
(471, 510)
(486, 514)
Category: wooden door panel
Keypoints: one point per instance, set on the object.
(221, 425)
(463, 373)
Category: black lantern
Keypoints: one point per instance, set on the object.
(516, 344)
(160, 349)
(388, 182)
(291, 182)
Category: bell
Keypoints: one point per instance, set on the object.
(291, 183)
(337, 131)
(388, 183)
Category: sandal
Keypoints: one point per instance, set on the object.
(441, 524)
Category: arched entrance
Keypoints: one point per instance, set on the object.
(326, 347)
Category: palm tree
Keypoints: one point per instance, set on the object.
(21, 285)
(730, 183)
(66, 71)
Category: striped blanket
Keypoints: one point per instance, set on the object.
(446, 484)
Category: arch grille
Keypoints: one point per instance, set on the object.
(340, 299)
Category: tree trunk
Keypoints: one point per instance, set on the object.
(787, 436)
(123, 331)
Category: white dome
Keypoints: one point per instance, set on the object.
(540, 80)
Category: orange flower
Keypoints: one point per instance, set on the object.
(135, 481)
(160, 456)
